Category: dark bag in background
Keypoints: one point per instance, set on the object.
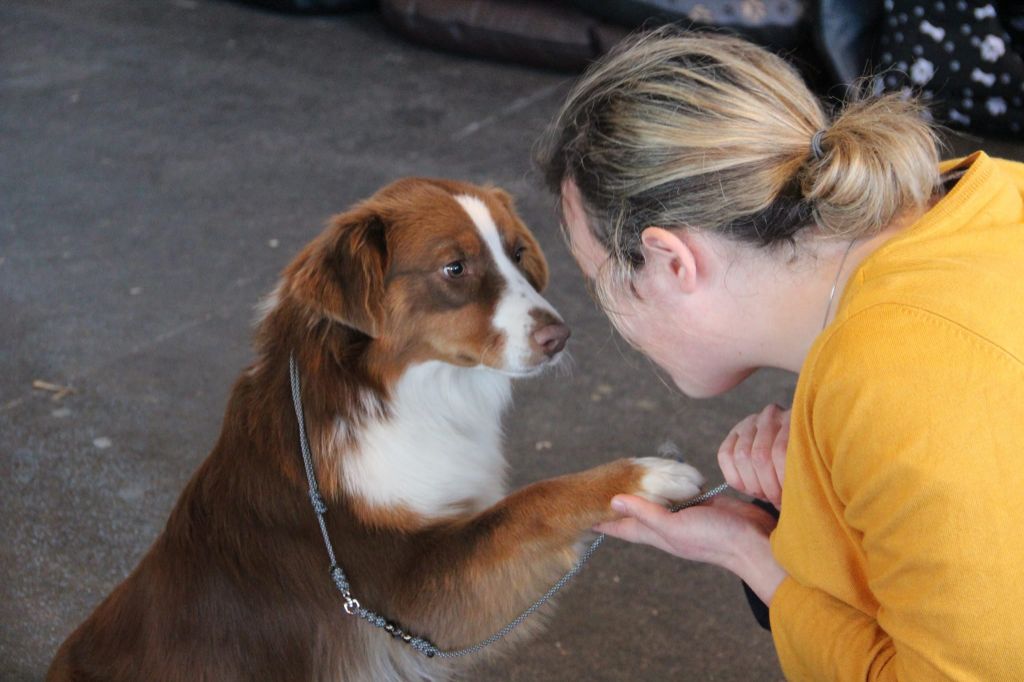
(314, 6)
(535, 32)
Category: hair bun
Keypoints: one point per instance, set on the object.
(878, 156)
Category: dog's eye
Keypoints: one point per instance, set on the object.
(518, 253)
(454, 270)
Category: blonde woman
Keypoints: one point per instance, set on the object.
(728, 223)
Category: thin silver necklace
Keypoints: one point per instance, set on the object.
(835, 283)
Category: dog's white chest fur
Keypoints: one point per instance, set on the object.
(439, 451)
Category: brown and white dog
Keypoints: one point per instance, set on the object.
(408, 316)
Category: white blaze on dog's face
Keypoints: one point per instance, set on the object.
(437, 270)
(531, 328)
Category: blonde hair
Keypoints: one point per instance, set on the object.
(704, 131)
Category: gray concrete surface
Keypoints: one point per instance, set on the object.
(161, 161)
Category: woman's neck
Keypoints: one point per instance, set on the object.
(802, 297)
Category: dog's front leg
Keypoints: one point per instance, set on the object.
(552, 514)
(487, 570)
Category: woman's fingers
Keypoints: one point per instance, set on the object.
(779, 453)
(738, 457)
(725, 460)
(752, 457)
(761, 454)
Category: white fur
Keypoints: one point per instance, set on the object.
(268, 303)
(667, 480)
(368, 655)
(372, 411)
(382, 662)
(439, 451)
(512, 315)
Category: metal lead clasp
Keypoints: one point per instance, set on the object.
(351, 604)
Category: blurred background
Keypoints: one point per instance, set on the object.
(162, 160)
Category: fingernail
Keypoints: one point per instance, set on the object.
(618, 505)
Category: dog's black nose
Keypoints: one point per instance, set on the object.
(551, 338)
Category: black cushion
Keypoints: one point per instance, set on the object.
(313, 6)
(781, 24)
(535, 32)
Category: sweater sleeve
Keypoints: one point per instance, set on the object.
(921, 429)
(819, 637)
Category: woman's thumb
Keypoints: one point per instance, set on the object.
(644, 511)
(641, 521)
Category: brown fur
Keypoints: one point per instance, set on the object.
(236, 586)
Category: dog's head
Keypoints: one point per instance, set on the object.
(435, 270)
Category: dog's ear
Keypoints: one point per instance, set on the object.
(341, 273)
(535, 265)
(504, 197)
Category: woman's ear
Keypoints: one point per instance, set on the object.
(670, 252)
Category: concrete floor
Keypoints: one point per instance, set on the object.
(162, 161)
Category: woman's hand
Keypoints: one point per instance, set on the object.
(753, 455)
(725, 532)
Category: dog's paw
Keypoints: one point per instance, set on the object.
(665, 480)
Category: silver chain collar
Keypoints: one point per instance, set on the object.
(352, 605)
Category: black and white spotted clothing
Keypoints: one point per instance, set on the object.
(961, 57)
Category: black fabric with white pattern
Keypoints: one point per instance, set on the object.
(961, 57)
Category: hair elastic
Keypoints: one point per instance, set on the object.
(816, 145)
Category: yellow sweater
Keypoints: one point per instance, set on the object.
(902, 525)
